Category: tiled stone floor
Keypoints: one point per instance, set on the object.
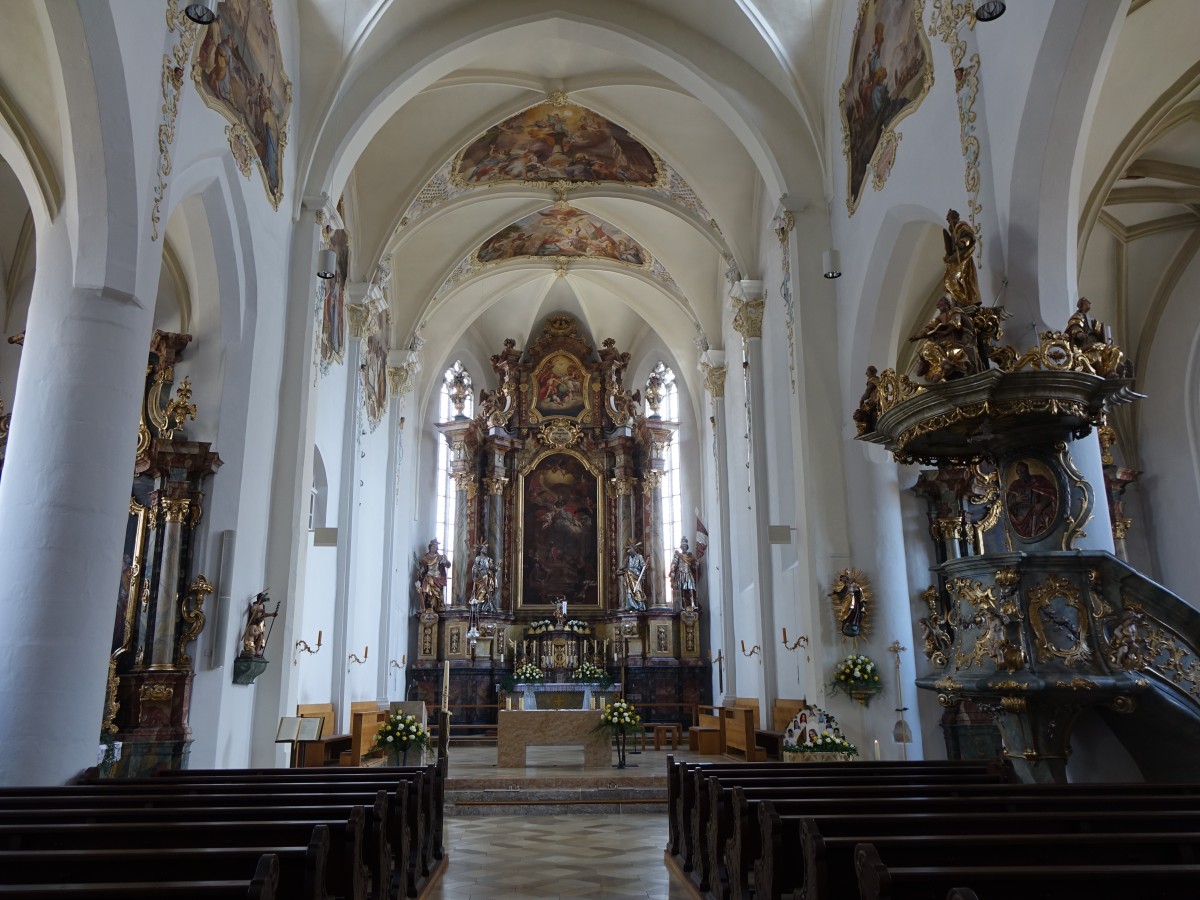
(543, 857)
(548, 857)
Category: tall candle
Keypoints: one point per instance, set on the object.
(318, 638)
(366, 650)
(743, 646)
(785, 635)
(877, 750)
(446, 686)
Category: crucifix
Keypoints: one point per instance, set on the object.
(720, 670)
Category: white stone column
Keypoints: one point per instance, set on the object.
(714, 384)
(64, 500)
(747, 322)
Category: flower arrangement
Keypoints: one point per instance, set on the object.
(578, 625)
(398, 734)
(540, 625)
(813, 735)
(591, 673)
(856, 676)
(825, 742)
(527, 672)
(620, 717)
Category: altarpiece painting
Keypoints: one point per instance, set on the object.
(561, 496)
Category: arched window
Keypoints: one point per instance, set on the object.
(455, 400)
(662, 378)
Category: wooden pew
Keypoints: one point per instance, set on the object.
(836, 876)
(302, 871)
(415, 824)
(376, 853)
(427, 794)
(262, 885)
(324, 751)
(345, 871)
(365, 719)
(1094, 881)
(729, 831)
(782, 856)
(688, 807)
(739, 733)
(681, 786)
(707, 736)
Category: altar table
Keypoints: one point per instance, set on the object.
(518, 729)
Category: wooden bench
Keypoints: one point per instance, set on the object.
(773, 854)
(262, 885)
(739, 733)
(345, 872)
(795, 848)
(365, 719)
(663, 731)
(302, 871)
(1093, 881)
(782, 712)
(424, 805)
(326, 750)
(707, 736)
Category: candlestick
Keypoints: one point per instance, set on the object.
(446, 686)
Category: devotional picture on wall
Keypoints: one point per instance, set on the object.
(333, 298)
(556, 142)
(1031, 498)
(376, 347)
(238, 71)
(891, 71)
(560, 505)
(560, 386)
(553, 232)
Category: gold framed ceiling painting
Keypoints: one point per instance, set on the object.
(891, 71)
(554, 232)
(557, 141)
(238, 71)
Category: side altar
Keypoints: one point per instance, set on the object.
(558, 559)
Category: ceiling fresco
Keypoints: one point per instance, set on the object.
(557, 141)
(567, 232)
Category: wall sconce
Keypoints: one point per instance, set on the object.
(303, 645)
(753, 650)
(801, 641)
(326, 264)
(989, 10)
(354, 656)
(397, 665)
(202, 12)
(831, 263)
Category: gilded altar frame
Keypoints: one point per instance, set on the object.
(518, 567)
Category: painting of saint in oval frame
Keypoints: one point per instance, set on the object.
(891, 71)
(561, 387)
(238, 71)
(1032, 498)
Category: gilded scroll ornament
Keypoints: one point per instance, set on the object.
(993, 617)
(937, 632)
(1058, 619)
(1129, 640)
(714, 380)
(156, 693)
(191, 610)
(179, 409)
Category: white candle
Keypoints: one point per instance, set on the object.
(446, 686)
(876, 750)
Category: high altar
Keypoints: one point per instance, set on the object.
(557, 474)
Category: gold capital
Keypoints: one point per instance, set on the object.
(653, 479)
(714, 380)
(495, 485)
(748, 318)
(175, 510)
(624, 485)
(356, 317)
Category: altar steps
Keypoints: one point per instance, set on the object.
(531, 800)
